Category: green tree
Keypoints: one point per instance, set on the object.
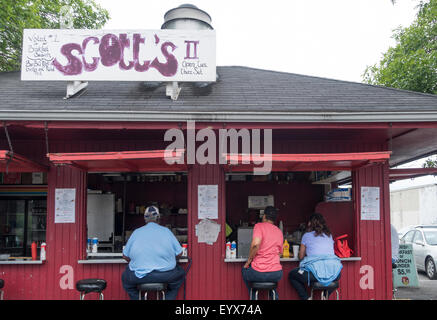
(431, 162)
(16, 15)
(412, 63)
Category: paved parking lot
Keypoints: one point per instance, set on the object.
(427, 290)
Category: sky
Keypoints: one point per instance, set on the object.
(334, 39)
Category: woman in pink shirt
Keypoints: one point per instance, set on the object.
(263, 263)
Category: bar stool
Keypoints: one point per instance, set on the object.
(2, 284)
(91, 285)
(157, 286)
(324, 295)
(270, 286)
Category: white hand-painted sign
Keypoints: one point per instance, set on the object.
(118, 55)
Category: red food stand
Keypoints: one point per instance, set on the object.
(110, 137)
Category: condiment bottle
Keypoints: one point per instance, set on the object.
(184, 250)
(233, 250)
(33, 250)
(228, 250)
(42, 254)
(286, 249)
(95, 242)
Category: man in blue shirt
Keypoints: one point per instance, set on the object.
(151, 252)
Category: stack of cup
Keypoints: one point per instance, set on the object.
(295, 251)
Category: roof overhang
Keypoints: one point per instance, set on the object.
(410, 173)
(227, 116)
(12, 162)
(306, 162)
(123, 161)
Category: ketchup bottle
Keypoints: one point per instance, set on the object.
(42, 254)
(33, 247)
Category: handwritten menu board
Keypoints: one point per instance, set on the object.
(370, 203)
(65, 203)
(207, 202)
(405, 273)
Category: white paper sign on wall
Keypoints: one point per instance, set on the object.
(370, 203)
(65, 205)
(119, 55)
(207, 197)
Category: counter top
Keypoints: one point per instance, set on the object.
(291, 259)
(105, 254)
(21, 262)
(113, 260)
(94, 261)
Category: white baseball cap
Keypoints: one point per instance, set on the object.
(151, 213)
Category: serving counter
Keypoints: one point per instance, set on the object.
(291, 259)
(111, 257)
(21, 262)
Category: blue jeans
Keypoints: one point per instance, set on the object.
(299, 281)
(251, 275)
(174, 279)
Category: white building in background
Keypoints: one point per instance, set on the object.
(413, 206)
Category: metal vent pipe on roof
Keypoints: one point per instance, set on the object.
(188, 17)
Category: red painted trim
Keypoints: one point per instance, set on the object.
(16, 163)
(118, 155)
(307, 162)
(125, 161)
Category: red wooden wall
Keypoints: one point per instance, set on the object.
(374, 236)
(210, 277)
(295, 201)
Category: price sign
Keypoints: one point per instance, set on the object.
(405, 274)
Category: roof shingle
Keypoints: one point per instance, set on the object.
(239, 89)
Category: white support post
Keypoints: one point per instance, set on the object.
(74, 87)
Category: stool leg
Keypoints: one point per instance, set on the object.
(101, 296)
(338, 295)
(250, 298)
(145, 295)
(139, 295)
(82, 296)
(256, 294)
(311, 296)
(163, 295)
(1, 294)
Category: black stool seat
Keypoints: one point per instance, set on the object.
(319, 286)
(263, 285)
(91, 285)
(2, 283)
(158, 286)
(271, 286)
